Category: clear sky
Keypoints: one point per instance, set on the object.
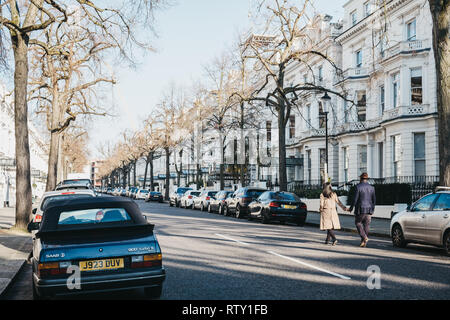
(191, 34)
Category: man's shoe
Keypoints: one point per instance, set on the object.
(362, 244)
(365, 242)
(334, 242)
(326, 241)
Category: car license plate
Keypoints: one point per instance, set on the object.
(287, 206)
(107, 264)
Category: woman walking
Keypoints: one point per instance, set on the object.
(329, 219)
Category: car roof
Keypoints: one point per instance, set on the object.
(61, 192)
(53, 211)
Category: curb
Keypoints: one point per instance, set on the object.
(13, 279)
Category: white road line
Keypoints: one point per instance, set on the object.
(231, 239)
(310, 265)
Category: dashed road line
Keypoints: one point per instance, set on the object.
(231, 239)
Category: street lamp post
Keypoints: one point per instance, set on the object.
(326, 98)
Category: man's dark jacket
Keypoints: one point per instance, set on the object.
(364, 201)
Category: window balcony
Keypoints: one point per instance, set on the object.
(351, 73)
(403, 111)
(406, 47)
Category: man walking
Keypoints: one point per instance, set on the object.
(364, 205)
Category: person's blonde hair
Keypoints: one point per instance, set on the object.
(327, 190)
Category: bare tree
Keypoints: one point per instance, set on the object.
(21, 19)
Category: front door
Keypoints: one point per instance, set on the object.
(415, 221)
(437, 219)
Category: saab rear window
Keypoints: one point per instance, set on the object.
(93, 216)
(195, 194)
(144, 191)
(284, 196)
(48, 200)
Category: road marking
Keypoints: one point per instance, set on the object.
(231, 239)
(310, 265)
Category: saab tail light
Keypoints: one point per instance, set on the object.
(53, 268)
(38, 218)
(66, 193)
(303, 206)
(208, 198)
(146, 261)
(274, 205)
(189, 197)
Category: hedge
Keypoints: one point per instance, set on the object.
(387, 194)
(315, 193)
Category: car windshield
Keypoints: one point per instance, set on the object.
(182, 190)
(284, 196)
(254, 193)
(212, 193)
(195, 193)
(155, 193)
(77, 181)
(48, 200)
(93, 216)
(144, 191)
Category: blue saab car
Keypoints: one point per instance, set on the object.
(94, 245)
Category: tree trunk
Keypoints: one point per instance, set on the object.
(440, 12)
(134, 173)
(52, 162)
(152, 184)
(23, 168)
(145, 171)
(242, 166)
(166, 191)
(282, 149)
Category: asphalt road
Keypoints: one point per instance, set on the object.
(208, 256)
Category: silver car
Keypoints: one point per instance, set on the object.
(426, 221)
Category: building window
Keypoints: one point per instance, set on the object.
(362, 159)
(291, 127)
(416, 86)
(358, 56)
(308, 161)
(395, 90)
(321, 116)
(305, 78)
(353, 18)
(361, 105)
(396, 156)
(382, 93)
(308, 116)
(269, 130)
(367, 9)
(411, 31)
(346, 163)
(419, 156)
(320, 74)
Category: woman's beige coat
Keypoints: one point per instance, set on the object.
(329, 218)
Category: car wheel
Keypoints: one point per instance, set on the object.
(264, 219)
(447, 243)
(209, 208)
(238, 212)
(225, 211)
(398, 239)
(221, 210)
(177, 203)
(153, 292)
(202, 208)
(301, 223)
(170, 203)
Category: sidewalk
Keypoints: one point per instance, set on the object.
(378, 227)
(15, 247)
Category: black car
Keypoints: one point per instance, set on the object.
(154, 196)
(278, 206)
(175, 197)
(217, 204)
(238, 202)
(105, 243)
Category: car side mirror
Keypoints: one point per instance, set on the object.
(33, 226)
(408, 208)
(34, 211)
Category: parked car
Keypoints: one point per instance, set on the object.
(238, 203)
(426, 221)
(133, 192)
(129, 191)
(202, 201)
(278, 206)
(174, 198)
(154, 196)
(217, 203)
(187, 200)
(141, 194)
(50, 196)
(83, 182)
(108, 239)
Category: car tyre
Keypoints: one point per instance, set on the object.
(209, 208)
(153, 292)
(265, 219)
(202, 208)
(221, 210)
(301, 223)
(170, 203)
(398, 239)
(36, 295)
(226, 212)
(238, 212)
(447, 243)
